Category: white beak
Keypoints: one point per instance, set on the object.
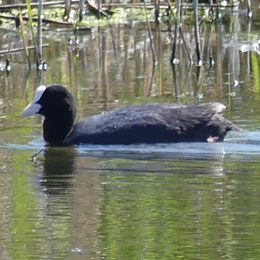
(34, 107)
(31, 109)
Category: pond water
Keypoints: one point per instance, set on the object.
(163, 201)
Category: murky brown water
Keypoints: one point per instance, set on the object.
(163, 201)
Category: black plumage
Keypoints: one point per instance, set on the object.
(144, 123)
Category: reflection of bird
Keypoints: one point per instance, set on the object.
(42, 65)
(58, 169)
(144, 123)
(5, 65)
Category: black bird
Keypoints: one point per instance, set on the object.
(144, 123)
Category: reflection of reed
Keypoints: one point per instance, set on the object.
(72, 198)
(120, 68)
(196, 31)
(112, 66)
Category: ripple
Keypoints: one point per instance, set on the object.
(239, 145)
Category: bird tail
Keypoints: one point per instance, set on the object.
(233, 127)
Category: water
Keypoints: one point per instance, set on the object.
(162, 201)
(77, 203)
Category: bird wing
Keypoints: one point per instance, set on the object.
(145, 123)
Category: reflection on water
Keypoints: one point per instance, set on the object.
(163, 201)
(57, 170)
(72, 206)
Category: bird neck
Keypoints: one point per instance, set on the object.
(56, 129)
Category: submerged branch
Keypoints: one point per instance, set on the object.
(62, 4)
(13, 17)
(96, 10)
(20, 49)
(166, 6)
(35, 5)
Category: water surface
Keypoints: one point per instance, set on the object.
(162, 201)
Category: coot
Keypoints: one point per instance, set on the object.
(144, 123)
